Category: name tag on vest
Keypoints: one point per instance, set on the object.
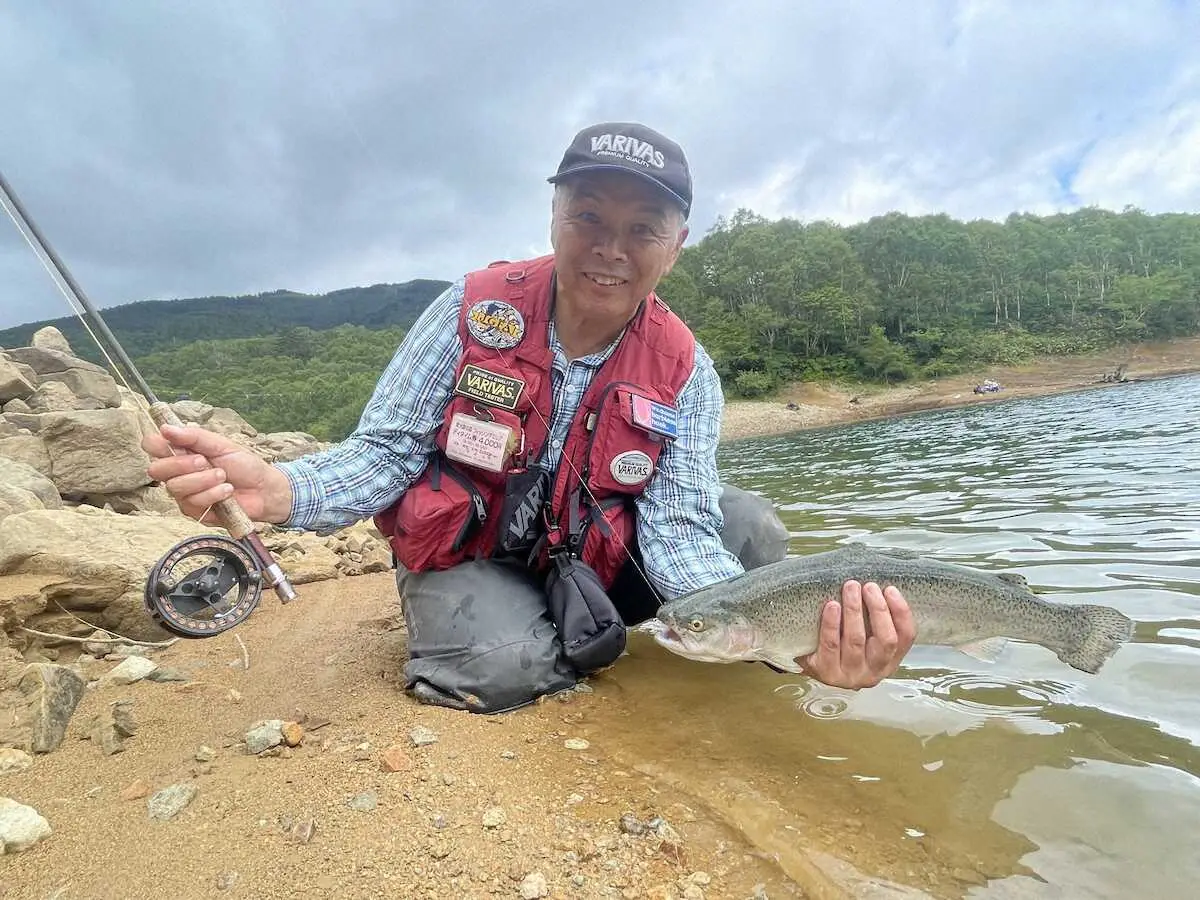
(479, 443)
(657, 418)
(488, 387)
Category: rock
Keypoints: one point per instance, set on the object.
(108, 554)
(394, 759)
(13, 760)
(136, 790)
(534, 886)
(47, 695)
(15, 500)
(109, 729)
(132, 670)
(151, 498)
(301, 831)
(264, 735)
(170, 801)
(15, 473)
(227, 422)
(21, 826)
(205, 753)
(226, 880)
(422, 736)
(293, 733)
(164, 674)
(493, 817)
(27, 448)
(631, 824)
(50, 338)
(14, 384)
(304, 557)
(54, 396)
(364, 802)
(95, 451)
(576, 744)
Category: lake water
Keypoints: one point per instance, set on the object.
(959, 778)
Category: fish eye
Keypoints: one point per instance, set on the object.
(696, 624)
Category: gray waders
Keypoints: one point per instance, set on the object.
(480, 637)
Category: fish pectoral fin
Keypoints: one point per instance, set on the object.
(986, 650)
(780, 663)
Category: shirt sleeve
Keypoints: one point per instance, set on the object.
(679, 513)
(389, 449)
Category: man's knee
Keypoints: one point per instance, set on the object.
(753, 530)
(480, 638)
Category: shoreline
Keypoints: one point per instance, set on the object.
(829, 403)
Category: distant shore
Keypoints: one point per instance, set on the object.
(818, 405)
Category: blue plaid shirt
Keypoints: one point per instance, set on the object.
(679, 517)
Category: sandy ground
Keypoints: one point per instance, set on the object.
(820, 405)
(497, 807)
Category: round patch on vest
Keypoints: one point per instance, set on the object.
(630, 467)
(496, 324)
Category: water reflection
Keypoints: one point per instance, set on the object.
(1019, 778)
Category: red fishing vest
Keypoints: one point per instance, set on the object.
(496, 425)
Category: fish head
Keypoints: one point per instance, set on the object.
(706, 633)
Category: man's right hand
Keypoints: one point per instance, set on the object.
(209, 468)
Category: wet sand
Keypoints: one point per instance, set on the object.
(820, 405)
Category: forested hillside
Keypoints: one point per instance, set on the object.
(156, 325)
(893, 298)
(900, 296)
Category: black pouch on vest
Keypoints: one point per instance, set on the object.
(592, 632)
(520, 517)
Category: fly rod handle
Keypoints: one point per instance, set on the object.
(229, 511)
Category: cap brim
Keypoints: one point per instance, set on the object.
(608, 167)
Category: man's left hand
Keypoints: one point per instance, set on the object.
(845, 656)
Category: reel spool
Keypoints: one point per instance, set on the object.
(204, 586)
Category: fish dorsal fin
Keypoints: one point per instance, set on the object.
(896, 552)
(1013, 578)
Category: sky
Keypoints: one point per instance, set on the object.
(171, 150)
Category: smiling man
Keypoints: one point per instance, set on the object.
(541, 455)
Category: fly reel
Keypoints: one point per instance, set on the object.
(203, 586)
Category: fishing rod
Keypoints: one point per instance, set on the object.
(203, 585)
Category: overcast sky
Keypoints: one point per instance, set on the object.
(235, 146)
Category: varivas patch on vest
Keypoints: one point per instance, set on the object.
(495, 323)
(630, 467)
(487, 387)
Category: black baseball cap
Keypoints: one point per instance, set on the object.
(630, 147)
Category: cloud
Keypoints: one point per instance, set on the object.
(184, 150)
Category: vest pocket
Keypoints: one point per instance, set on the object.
(621, 455)
(438, 518)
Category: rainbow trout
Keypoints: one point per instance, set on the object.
(772, 614)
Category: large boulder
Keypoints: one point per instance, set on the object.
(17, 474)
(95, 450)
(14, 381)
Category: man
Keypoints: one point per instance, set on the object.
(541, 454)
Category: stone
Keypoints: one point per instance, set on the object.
(95, 450)
(534, 886)
(24, 476)
(170, 801)
(50, 338)
(293, 733)
(422, 736)
(264, 735)
(394, 759)
(13, 760)
(51, 694)
(133, 669)
(21, 826)
(14, 384)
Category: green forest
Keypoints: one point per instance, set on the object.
(890, 299)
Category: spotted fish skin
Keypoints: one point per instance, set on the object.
(772, 613)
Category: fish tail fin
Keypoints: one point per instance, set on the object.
(1097, 634)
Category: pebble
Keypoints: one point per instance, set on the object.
(394, 759)
(136, 790)
(576, 744)
(204, 754)
(264, 735)
(226, 881)
(364, 802)
(494, 817)
(13, 760)
(293, 733)
(132, 669)
(507, 754)
(421, 736)
(534, 886)
(583, 687)
(631, 824)
(21, 826)
(170, 801)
